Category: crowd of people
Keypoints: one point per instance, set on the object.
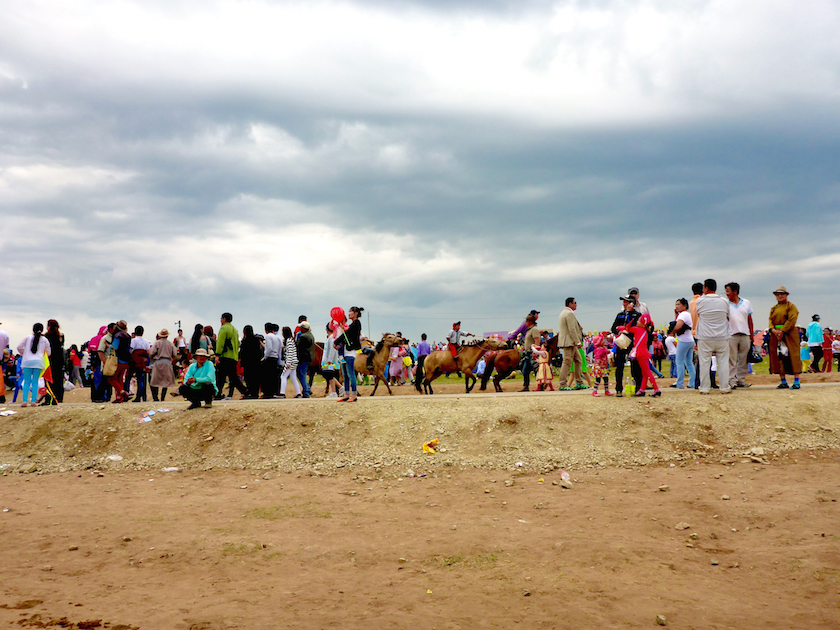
(709, 344)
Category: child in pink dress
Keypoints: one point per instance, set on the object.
(601, 365)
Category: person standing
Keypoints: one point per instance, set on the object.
(627, 317)
(784, 340)
(250, 358)
(181, 343)
(685, 344)
(815, 338)
(162, 355)
(270, 371)
(121, 346)
(526, 364)
(76, 366)
(56, 339)
(697, 291)
(305, 344)
(4, 343)
(713, 336)
(33, 351)
(227, 352)
(423, 350)
(570, 339)
(290, 363)
(671, 346)
(740, 335)
(139, 365)
(350, 342)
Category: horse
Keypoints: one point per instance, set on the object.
(441, 362)
(380, 360)
(315, 366)
(507, 361)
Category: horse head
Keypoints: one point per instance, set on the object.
(492, 343)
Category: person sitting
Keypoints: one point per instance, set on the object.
(199, 381)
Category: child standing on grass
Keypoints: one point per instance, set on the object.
(544, 376)
(601, 365)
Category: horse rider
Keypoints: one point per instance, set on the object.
(453, 340)
(532, 317)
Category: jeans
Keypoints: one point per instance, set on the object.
(348, 366)
(303, 377)
(685, 361)
(672, 359)
(527, 367)
(30, 384)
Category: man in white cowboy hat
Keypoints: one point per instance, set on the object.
(199, 381)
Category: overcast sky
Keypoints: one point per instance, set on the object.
(166, 161)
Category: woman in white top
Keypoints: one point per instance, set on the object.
(685, 344)
(33, 349)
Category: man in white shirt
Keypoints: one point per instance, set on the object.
(740, 335)
(271, 358)
(713, 337)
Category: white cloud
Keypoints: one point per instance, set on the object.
(23, 184)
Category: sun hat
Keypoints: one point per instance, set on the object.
(201, 352)
(305, 325)
(781, 289)
(163, 333)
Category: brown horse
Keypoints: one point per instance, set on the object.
(506, 362)
(441, 362)
(380, 360)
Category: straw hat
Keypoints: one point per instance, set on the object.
(201, 352)
(163, 333)
(781, 289)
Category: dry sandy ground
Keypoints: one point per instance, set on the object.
(304, 514)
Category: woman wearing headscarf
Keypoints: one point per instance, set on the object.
(784, 340)
(33, 349)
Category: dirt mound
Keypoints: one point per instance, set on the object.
(536, 431)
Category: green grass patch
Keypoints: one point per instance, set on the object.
(475, 561)
(298, 510)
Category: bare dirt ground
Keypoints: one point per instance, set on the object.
(311, 514)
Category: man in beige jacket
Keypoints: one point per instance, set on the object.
(570, 338)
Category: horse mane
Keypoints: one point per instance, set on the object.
(381, 342)
(473, 342)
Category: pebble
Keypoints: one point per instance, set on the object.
(682, 526)
(694, 536)
(725, 497)
(526, 592)
(664, 488)
(568, 485)
(757, 451)
(509, 482)
(660, 620)
(73, 548)
(715, 562)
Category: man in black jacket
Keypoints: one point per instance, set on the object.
(304, 343)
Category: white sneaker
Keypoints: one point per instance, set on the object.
(333, 395)
(340, 392)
